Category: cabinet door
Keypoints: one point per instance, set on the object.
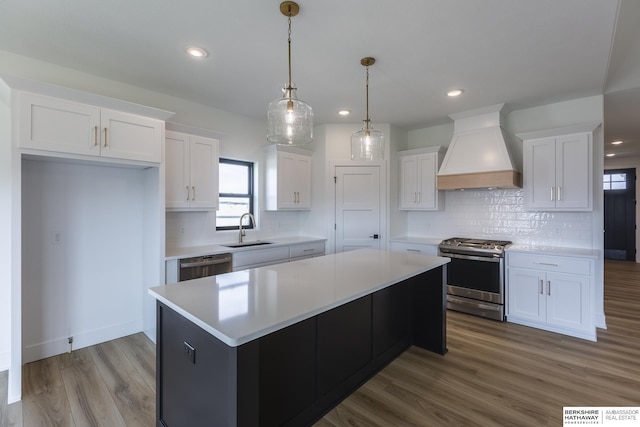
(573, 172)
(568, 301)
(408, 182)
(303, 182)
(286, 180)
(177, 187)
(131, 137)
(55, 125)
(525, 294)
(427, 192)
(539, 173)
(204, 172)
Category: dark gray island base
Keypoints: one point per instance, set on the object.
(297, 374)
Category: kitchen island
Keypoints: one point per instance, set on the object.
(283, 344)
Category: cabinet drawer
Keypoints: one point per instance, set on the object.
(308, 249)
(559, 264)
(422, 248)
(260, 256)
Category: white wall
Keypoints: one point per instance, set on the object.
(332, 147)
(432, 136)
(5, 229)
(87, 285)
(628, 163)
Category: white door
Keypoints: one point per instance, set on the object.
(357, 207)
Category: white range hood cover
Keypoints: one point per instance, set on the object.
(478, 147)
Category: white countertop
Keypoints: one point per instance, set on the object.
(241, 306)
(192, 251)
(555, 250)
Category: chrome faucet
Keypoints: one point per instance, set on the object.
(253, 222)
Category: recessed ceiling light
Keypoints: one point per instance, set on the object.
(616, 142)
(454, 93)
(611, 155)
(344, 112)
(196, 52)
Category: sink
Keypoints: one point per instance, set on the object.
(245, 244)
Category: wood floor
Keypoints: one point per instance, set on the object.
(495, 374)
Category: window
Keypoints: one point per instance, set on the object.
(615, 181)
(236, 193)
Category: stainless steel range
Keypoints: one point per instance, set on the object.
(475, 275)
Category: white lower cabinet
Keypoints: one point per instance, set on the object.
(551, 292)
(306, 250)
(410, 247)
(253, 258)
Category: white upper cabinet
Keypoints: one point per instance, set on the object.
(287, 178)
(191, 172)
(558, 169)
(62, 126)
(418, 169)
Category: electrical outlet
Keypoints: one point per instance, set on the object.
(56, 238)
(189, 352)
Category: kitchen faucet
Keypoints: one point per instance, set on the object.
(253, 222)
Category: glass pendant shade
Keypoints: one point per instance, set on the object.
(289, 120)
(367, 144)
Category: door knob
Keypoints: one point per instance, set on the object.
(374, 236)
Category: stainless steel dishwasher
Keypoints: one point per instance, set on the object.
(204, 266)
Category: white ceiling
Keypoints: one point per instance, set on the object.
(521, 52)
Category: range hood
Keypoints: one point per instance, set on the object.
(478, 156)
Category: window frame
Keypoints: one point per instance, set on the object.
(610, 181)
(250, 186)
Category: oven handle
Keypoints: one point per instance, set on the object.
(471, 257)
(455, 300)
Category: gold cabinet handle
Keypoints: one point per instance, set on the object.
(105, 137)
(95, 136)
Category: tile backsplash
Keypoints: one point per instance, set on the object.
(501, 214)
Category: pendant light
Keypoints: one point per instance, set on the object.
(367, 143)
(289, 119)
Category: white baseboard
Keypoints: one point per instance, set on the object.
(84, 339)
(601, 321)
(5, 361)
(151, 333)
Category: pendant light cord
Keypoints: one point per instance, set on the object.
(289, 43)
(367, 89)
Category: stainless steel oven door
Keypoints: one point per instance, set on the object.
(476, 277)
